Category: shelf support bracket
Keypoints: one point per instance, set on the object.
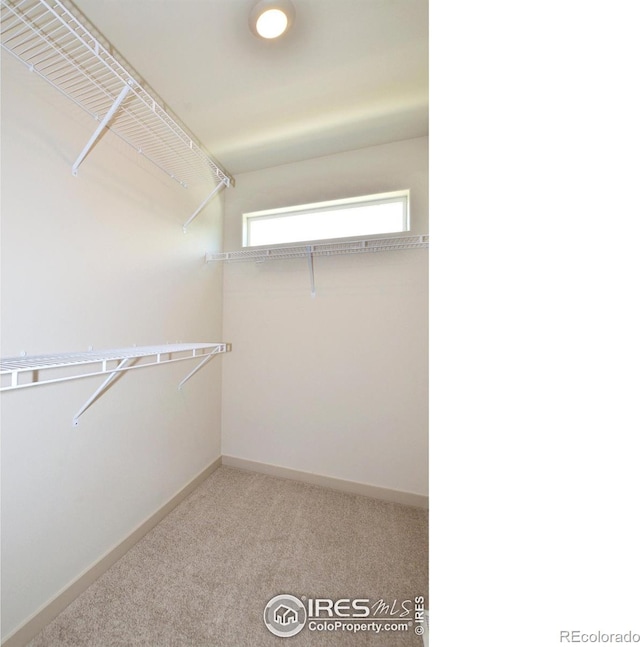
(202, 205)
(103, 124)
(102, 388)
(196, 369)
(312, 277)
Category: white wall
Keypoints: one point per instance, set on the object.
(95, 260)
(337, 384)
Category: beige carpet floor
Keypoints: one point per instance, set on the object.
(202, 577)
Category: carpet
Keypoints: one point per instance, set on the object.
(202, 576)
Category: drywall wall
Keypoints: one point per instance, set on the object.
(95, 260)
(334, 385)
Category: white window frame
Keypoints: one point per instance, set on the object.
(329, 205)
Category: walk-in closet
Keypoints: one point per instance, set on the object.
(214, 322)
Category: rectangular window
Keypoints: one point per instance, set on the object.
(384, 213)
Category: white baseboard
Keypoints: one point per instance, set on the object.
(41, 618)
(352, 487)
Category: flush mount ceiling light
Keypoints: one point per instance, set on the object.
(271, 18)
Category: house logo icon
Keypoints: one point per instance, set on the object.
(285, 615)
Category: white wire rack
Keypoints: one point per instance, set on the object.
(321, 249)
(62, 367)
(55, 41)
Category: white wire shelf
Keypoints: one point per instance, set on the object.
(62, 367)
(54, 40)
(260, 255)
(321, 249)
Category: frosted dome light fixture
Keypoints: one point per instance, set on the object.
(271, 18)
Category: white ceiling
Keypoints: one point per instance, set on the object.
(349, 74)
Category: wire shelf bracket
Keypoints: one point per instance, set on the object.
(103, 124)
(262, 254)
(312, 275)
(202, 205)
(59, 44)
(103, 387)
(62, 367)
